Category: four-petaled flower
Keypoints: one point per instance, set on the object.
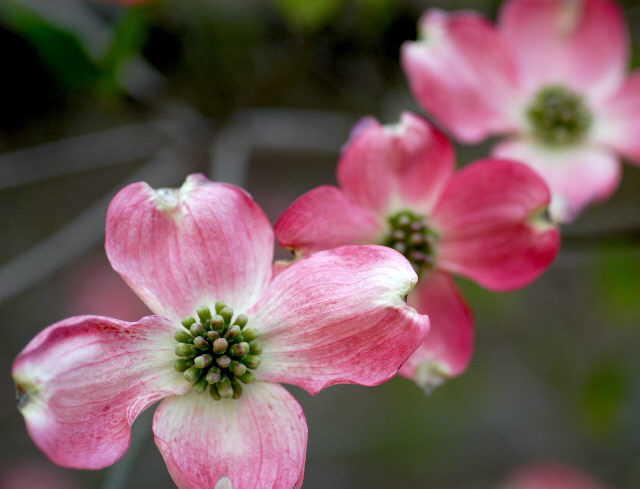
(551, 75)
(201, 257)
(399, 189)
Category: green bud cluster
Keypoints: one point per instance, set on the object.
(411, 235)
(216, 354)
(559, 116)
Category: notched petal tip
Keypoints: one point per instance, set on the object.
(223, 483)
(429, 376)
(169, 199)
(26, 392)
(542, 219)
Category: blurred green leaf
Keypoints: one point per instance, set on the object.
(309, 15)
(617, 285)
(604, 398)
(128, 39)
(61, 51)
(378, 12)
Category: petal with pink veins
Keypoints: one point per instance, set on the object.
(391, 167)
(463, 73)
(577, 176)
(180, 249)
(338, 317)
(490, 226)
(83, 381)
(580, 43)
(325, 218)
(447, 349)
(617, 124)
(256, 442)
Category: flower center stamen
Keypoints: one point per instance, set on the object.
(411, 235)
(559, 116)
(215, 354)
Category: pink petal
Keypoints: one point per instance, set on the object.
(583, 43)
(84, 380)
(462, 72)
(447, 349)
(551, 475)
(339, 317)
(256, 442)
(388, 166)
(577, 176)
(325, 218)
(490, 226)
(180, 249)
(618, 120)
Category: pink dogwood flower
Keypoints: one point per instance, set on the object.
(226, 332)
(550, 475)
(551, 76)
(398, 189)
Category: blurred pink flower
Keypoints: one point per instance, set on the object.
(551, 75)
(336, 318)
(550, 475)
(398, 188)
(34, 476)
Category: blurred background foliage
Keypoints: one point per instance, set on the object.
(263, 93)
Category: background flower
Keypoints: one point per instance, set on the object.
(551, 75)
(550, 475)
(398, 188)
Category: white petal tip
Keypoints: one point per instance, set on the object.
(224, 483)
(167, 199)
(429, 376)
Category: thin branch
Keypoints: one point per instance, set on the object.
(79, 234)
(81, 153)
(275, 129)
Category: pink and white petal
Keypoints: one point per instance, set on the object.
(617, 122)
(338, 317)
(180, 249)
(463, 73)
(256, 442)
(325, 218)
(577, 176)
(83, 381)
(447, 349)
(490, 225)
(583, 44)
(546, 475)
(391, 167)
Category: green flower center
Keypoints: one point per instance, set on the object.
(216, 354)
(559, 116)
(411, 235)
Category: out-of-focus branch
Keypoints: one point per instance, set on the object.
(110, 147)
(617, 238)
(274, 129)
(79, 234)
(171, 162)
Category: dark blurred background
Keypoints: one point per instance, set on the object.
(263, 93)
